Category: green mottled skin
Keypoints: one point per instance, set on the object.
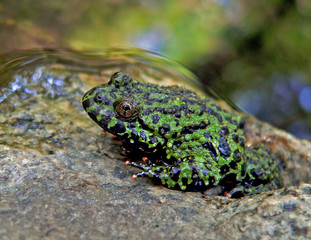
(189, 142)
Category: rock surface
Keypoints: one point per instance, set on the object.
(60, 178)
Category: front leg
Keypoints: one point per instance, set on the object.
(189, 174)
(164, 174)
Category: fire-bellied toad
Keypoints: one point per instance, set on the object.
(187, 141)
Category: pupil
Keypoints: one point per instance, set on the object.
(126, 107)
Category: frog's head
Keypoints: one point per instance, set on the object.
(117, 107)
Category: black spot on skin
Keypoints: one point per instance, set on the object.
(112, 95)
(147, 111)
(229, 119)
(174, 135)
(256, 173)
(210, 111)
(113, 90)
(134, 135)
(205, 173)
(208, 145)
(126, 79)
(203, 109)
(219, 117)
(127, 88)
(166, 111)
(235, 138)
(224, 148)
(215, 114)
(161, 131)
(177, 114)
(99, 98)
(108, 102)
(224, 169)
(118, 128)
(204, 124)
(143, 135)
(207, 135)
(187, 129)
(164, 101)
(237, 156)
(186, 110)
(144, 125)
(165, 129)
(147, 94)
(116, 84)
(190, 147)
(242, 141)
(132, 124)
(218, 108)
(155, 118)
(224, 131)
(174, 174)
(106, 117)
(233, 165)
(257, 181)
(184, 181)
(153, 140)
(177, 143)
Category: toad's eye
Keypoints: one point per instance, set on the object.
(126, 109)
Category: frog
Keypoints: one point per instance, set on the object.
(181, 140)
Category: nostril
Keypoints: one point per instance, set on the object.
(99, 98)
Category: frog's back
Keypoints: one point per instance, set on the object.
(197, 129)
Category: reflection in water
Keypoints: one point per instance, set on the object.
(143, 65)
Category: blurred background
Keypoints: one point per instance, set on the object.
(255, 53)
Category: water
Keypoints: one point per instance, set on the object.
(137, 62)
(41, 90)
